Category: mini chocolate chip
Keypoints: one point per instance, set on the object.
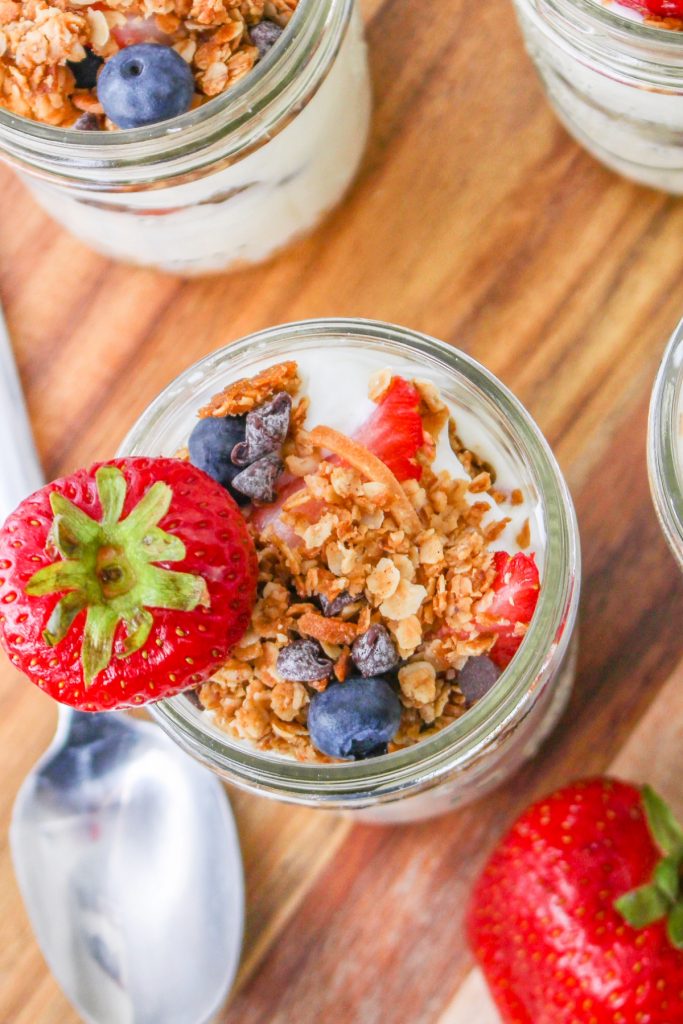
(88, 123)
(338, 604)
(374, 652)
(85, 71)
(266, 430)
(193, 697)
(303, 661)
(258, 480)
(476, 677)
(264, 36)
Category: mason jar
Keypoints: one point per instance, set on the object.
(228, 183)
(490, 741)
(615, 82)
(665, 444)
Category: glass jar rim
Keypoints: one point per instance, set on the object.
(609, 16)
(665, 472)
(228, 120)
(537, 659)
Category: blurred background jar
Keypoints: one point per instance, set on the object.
(665, 444)
(615, 81)
(230, 182)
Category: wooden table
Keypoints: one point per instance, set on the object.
(477, 220)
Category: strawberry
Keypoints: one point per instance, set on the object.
(515, 588)
(578, 916)
(92, 611)
(660, 8)
(394, 432)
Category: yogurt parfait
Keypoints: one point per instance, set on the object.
(613, 71)
(418, 569)
(665, 444)
(188, 135)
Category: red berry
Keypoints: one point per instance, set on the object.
(124, 583)
(516, 588)
(660, 8)
(394, 432)
(543, 922)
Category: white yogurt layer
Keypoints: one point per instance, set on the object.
(247, 211)
(336, 384)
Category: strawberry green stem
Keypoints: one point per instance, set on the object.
(106, 568)
(660, 898)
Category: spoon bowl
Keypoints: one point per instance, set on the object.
(128, 862)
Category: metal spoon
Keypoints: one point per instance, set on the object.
(125, 849)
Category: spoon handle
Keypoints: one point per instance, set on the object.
(20, 470)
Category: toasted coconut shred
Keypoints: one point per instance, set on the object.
(414, 557)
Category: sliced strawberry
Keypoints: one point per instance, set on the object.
(516, 588)
(394, 431)
(124, 583)
(139, 30)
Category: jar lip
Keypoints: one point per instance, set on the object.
(227, 112)
(630, 27)
(664, 458)
(539, 656)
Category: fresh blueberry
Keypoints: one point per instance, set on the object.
(355, 719)
(476, 677)
(303, 661)
(264, 36)
(374, 652)
(210, 445)
(144, 84)
(267, 429)
(258, 481)
(85, 71)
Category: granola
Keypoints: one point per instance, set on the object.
(370, 564)
(43, 41)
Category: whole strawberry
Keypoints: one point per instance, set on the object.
(577, 917)
(124, 583)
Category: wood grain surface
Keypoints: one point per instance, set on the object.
(478, 220)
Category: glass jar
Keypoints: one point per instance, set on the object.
(505, 728)
(665, 444)
(228, 183)
(615, 82)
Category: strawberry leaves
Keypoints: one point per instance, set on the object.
(660, 898)
(106, 568)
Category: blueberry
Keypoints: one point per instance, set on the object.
(85, 71)
(144, 84)
(88, 123)
(210, 445)
(303, 661)
(374, 652)
(258, 481)
(265, 35)
(476, 677)
(267, 429)
(355, 719)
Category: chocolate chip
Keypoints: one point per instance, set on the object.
(88, 123)
(476, 677)
(258, 480)
(264, 36)
(266, 430)
(303, 661)
(337, 605)
(374, 652)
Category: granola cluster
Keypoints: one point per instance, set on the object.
(347, 548)
(42, 40)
